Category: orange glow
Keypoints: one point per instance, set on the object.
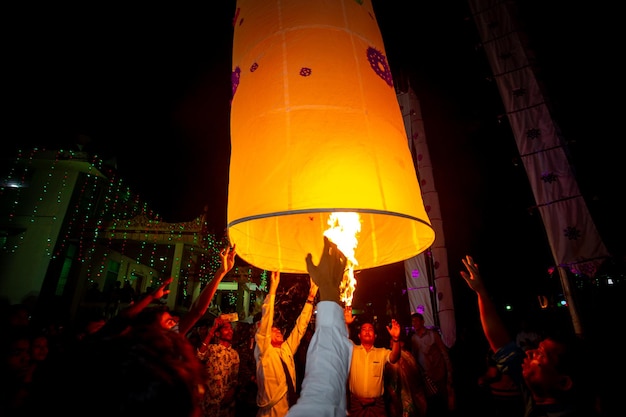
(316, 129)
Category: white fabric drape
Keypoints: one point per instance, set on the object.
(574, 240)
(573, 237)
(417, 270)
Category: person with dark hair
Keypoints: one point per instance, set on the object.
(432, 356)
(274, 354)
(222, 363)
(157, 315)
(201, 304)
(141, 313)
(136, 364)
(527, 337)
(198, 333)
(146, 371)
(16, 316)
(147, 310)
(552, 377)
(405, 395)
(39, 352)
(500, 391)
(366, 380)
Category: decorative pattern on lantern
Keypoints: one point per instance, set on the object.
(316, 128)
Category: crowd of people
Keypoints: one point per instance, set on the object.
(146, 360)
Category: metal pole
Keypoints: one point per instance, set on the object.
(571, 304)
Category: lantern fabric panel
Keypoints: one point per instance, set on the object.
(316, 128)
(277, 242)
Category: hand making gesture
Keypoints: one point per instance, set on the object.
(472, 276)
(394, 329)
(227, 259)
(274, 281)
(347, 315)
(161, 292)
(329, 272)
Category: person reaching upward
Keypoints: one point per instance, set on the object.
(323, 391)
(366, 381)
(552, 377)
(275, 365)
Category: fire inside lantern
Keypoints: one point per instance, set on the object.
(343, 231)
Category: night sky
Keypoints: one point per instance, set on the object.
(150, 87)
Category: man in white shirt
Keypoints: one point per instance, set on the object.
(275, 365)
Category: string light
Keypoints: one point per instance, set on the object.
(99, 201)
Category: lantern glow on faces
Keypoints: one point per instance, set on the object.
(316, 129)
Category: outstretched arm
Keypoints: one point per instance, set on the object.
(263, 334)
(204, 345)
(119, 323)
(302, 322)
(201, 304)
(328, 357)
(132, 310)
(274, 281)
(493, 326)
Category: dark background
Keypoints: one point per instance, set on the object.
(149, 88)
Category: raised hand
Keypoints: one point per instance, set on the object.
(329, 272)
(274, 281)
(394, 329)
(472, 276)
(347, 315)
(200, 305)
(161, 292)
(227, 258)
(494, 328)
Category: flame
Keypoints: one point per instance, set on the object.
(342, 231)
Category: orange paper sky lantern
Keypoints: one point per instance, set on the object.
(316, 128)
